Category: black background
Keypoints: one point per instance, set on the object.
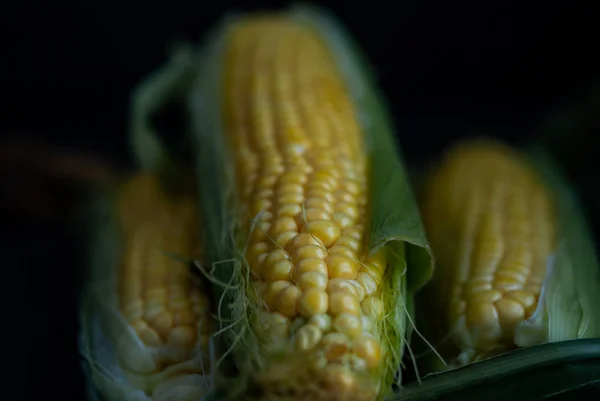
(447, 68)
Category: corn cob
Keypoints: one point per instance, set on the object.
(492, 225)
(157, 312)
(301, 175)
(320, 308)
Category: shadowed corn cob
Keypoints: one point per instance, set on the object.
(162, 310)
(492, 226)
(301, 175)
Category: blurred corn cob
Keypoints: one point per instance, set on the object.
(320, 299)
(495, 228)
(145, 317)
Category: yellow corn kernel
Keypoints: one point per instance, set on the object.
(321, 320)
(308, 337)
(301, 164)
(164, 304)
(491, 223)
(312, 280)
(348, 324)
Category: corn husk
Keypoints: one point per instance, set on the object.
(152, 148)
(572, 288)
(563, 370)
(395, 221)
(105, 336)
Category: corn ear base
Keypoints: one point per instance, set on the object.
(395, 222)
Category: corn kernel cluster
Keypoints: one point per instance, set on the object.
(159, 298)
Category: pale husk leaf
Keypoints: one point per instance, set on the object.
(148, 97)
(568, 307)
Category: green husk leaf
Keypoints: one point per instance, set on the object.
(532, 373)
(104, 330)
(153, 93)
(395, 221)
(216, 198)
(571, 293)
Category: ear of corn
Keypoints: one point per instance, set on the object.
(145, 319)
(314, 238)
(513, 262)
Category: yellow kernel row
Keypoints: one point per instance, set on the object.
(313, 282)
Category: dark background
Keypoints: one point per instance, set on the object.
(447, 68)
